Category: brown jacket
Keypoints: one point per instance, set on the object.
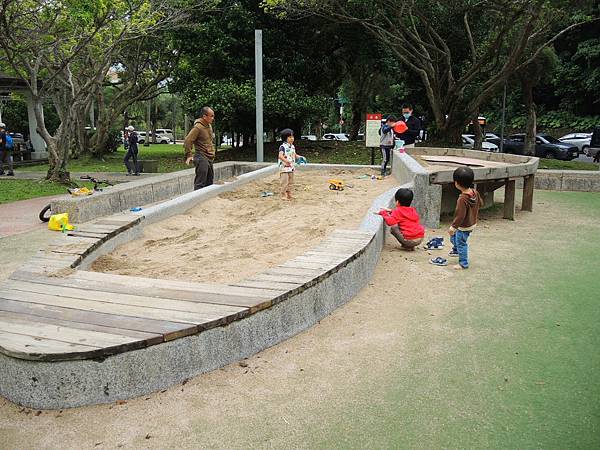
(200, 138)
(467, 211)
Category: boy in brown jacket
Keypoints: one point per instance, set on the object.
(465, 217)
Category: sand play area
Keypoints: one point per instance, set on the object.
(241, 233)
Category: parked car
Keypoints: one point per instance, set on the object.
(335, 137)
(308, 137)
(594, 148)
(545, 147)
(579, 140)
(469, 142)
(160, 139)
(164, 134)
(493, 138)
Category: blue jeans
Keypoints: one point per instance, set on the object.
(460, 246)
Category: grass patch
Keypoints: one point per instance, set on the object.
(14, 190)
(171, 157)
(556, 164)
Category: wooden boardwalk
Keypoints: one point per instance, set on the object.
(51, 312)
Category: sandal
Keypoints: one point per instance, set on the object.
(439, 261)
(435, 243)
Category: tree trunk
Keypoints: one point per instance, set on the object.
(478, 133)
(357, 115)
(531, 127)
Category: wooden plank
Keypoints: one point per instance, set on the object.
(528, 187)
(272, 285)
(118, 223)
(76, 233)
(86, 318)
(168, 284)
(11, 323)
(109, 308)
(309, 265)
(509, 199)
(147, 338)
(279, 270)
(126, 299)
(39, 349)
(281, 278)
(148, 290)
(322, 257)
(353, 234)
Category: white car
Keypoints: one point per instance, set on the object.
(308, 137)
(335, 137)
(579, 140)
(160, 139)
(469, 141)
(164, 133)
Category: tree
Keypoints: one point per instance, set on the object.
(462, 52)
(63, 51)
(217, 69)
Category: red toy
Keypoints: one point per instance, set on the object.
(400, 127)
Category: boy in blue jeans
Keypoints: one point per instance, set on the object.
(465, 217)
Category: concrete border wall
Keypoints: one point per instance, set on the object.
(64, 384)
(143, 192)
(567, 180)
(427, 197)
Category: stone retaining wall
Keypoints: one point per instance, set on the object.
(142, 192)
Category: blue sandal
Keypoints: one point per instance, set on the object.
(435, 243)
(439, 261)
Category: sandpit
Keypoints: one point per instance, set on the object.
(240, 233)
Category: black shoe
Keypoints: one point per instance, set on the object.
(1, 172)
(128, 174)
(136, 174)
(10, 174)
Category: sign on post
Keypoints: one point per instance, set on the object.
(372, 137)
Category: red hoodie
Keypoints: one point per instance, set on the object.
(407, 219)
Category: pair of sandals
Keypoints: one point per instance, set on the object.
(437, 243)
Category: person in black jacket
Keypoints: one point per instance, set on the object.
(132, 151)
(414, 126)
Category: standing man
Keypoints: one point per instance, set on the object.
(5, 151)
(132, 152)
(414, 126)
(201, 138)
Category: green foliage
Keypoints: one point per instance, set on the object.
(559, 119)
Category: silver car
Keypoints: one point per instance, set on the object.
(579, 140)
(469, 141)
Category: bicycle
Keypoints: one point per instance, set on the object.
(99, 185)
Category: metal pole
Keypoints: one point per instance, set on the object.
(503, 119)
(258, 56)
(148, 125)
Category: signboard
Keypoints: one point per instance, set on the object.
(372, 136)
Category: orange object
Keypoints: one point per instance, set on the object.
(400, 127)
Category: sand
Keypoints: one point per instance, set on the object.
(239, 234)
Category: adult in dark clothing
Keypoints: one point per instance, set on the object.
(200, 139)
(414, 126)
(132, 151)
(5, 153)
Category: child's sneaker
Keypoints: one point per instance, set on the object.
(439, 261)
(453, 253)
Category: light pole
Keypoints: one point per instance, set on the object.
(259, 94)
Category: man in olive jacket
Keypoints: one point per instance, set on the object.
(200, 138)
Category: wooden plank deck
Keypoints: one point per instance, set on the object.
(88, 315)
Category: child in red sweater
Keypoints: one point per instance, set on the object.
(404, 220)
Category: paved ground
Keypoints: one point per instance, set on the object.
(504, 355)
(114, 177)
(22, 216)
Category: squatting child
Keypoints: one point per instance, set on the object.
(465, 217)
(404, 220)
(287, 163)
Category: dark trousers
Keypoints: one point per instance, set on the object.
(6, 156)
(204, 172)
(385, 157)
(131, 154)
